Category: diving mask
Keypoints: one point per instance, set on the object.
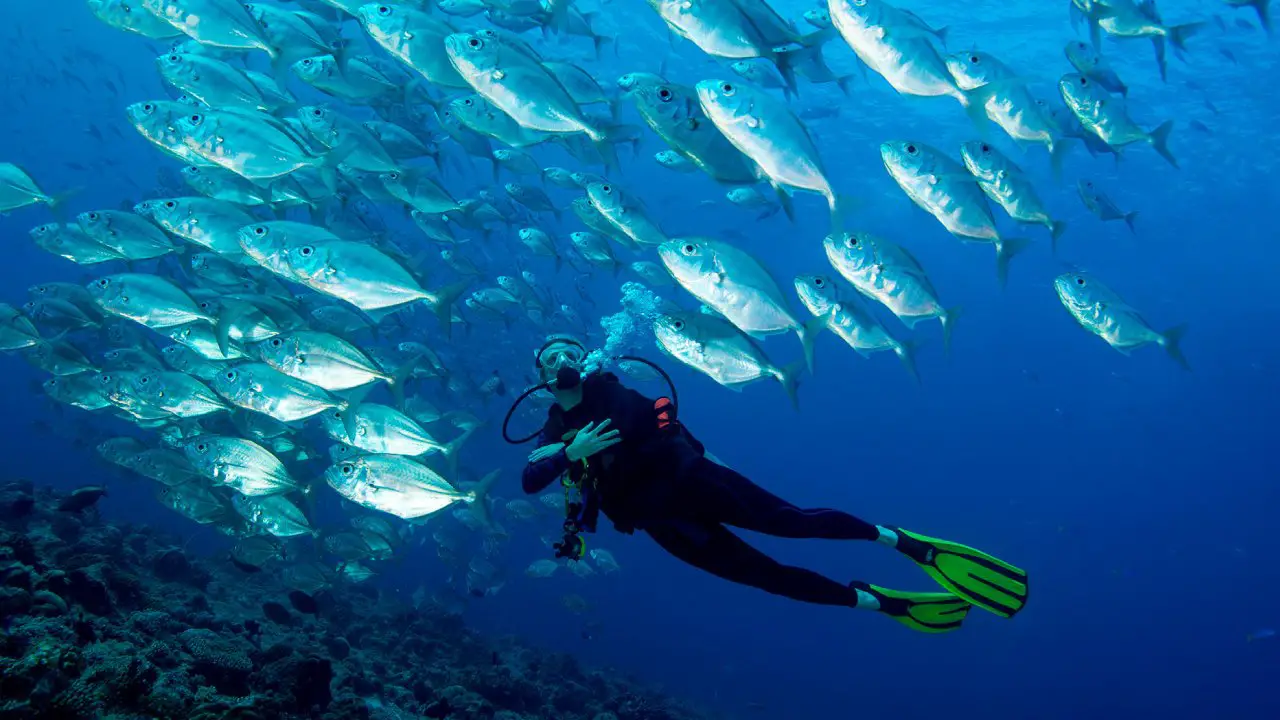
(559, 354)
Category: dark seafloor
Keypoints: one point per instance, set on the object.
(119, 622)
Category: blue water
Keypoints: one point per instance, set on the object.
(1139, 497)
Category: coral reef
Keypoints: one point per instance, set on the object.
(107, 621)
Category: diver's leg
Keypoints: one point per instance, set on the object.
(713, 548)
(717, 493)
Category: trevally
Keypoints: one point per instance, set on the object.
(72, 243)
(890, 275)
(324, 360)
(626, 212)
(130, 16)
(218, 23)
(1102, 312)
(177, 393)
(852, 322)
(769, 133)
(947, 191)
(399, 486)
(893, 44)
(381, 429)
(209, 223)
(415, 37)
(131, 236)
(1107, 116)
(737, 286)
(146, 299)
(263, 389)
(273, 514)
(1006, 184)
(242, 465)
(716, 348)
(518, 85)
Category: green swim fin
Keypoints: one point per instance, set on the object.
(925, 612)
(991, 584)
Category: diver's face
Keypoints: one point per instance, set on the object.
(560, 355)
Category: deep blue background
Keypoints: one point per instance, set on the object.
(1140, 498)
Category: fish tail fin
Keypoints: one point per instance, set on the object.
(786, 64)
(1006, 250)
(57, 203)
(845, 83)
(1057, 156)
(948, 318)
(1171, 341)
(1129, 219)
(1160, 142)
(1179, 34)
(480, 496)
(397, 381)
(600, 42)
(442, 302)
(789, 377)
(906, 352)
(784, 199)
(1263, 8)
(974, 103)
(1056, 228)
(809, 332)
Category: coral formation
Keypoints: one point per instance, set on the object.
(106, 621)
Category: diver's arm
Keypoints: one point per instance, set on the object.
(539, 474)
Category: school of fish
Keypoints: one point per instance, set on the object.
(301, 299)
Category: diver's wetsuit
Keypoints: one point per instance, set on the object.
(657, 480)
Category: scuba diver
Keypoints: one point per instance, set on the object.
(628, 456)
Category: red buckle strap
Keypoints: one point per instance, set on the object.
(664, 409)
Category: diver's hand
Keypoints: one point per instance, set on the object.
(591, 440)
(545, 452)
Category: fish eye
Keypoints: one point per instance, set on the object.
(1084, 81)
(104, 378)
(196, 119)
(148, 108)
(92, 216)
(606, 189)
(347, 468)
(306, 250)
(144, 380)
(393, 175)
(104, 282)
(851, 241)
(474, 43)
(276, 342)
(384, 11)
(1080, 281)
(819, 282)
(678, 325)
(727, 89)
(912, 150)
(171, 204)
(317, 112)
(230, 375)
(174, 58)
(986, 148)
(665, 95)
(688, 249)
(260, 231)
(308, 62)
(202, 447)
(468, 102)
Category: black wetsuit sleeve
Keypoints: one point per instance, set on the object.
(538, 475)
